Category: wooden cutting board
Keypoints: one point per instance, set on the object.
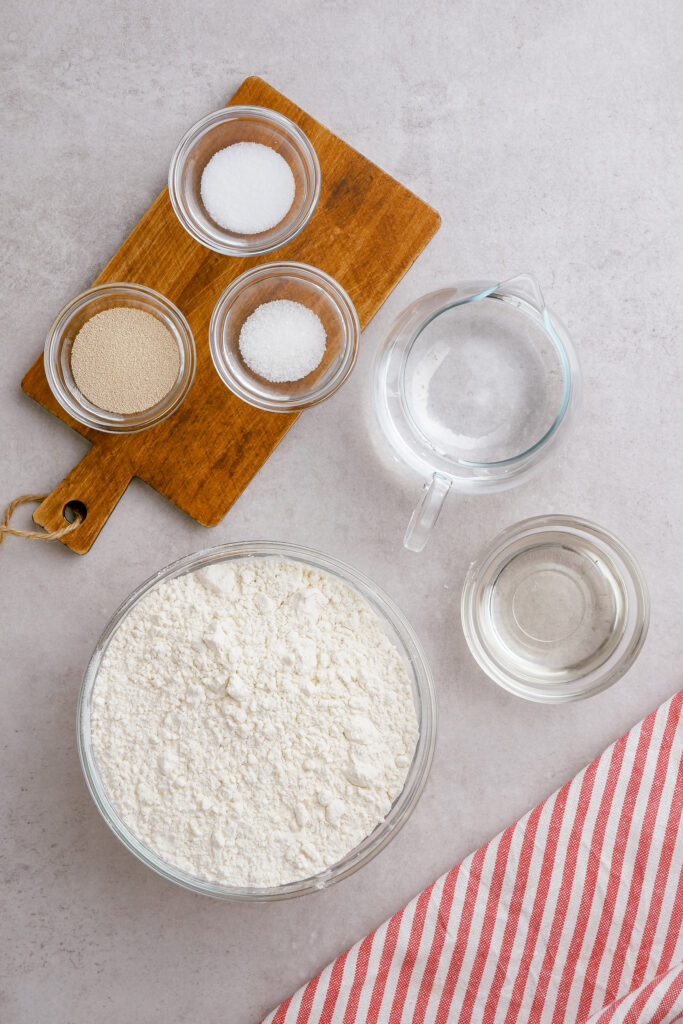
(366, 232)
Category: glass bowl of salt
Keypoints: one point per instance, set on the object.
(284, 336)
(244, 180)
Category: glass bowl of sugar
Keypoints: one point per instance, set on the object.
(120, 358)
(244, 181)
(284, 336)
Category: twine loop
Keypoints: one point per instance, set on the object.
(5, 527)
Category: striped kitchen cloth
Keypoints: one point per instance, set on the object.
(573, 914)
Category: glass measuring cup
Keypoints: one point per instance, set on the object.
(474, 386)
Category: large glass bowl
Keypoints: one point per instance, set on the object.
(397, 629)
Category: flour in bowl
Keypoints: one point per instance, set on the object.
(252, 722)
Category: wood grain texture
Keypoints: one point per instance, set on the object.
(366, 232)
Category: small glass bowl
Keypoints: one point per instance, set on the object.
(224, 128)
(60, 338)
(401, 635)
(298, 283)
(555, 609)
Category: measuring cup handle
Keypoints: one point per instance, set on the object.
(426, 512)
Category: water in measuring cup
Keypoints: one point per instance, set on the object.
(482, 382)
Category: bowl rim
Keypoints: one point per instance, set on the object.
(634, 630)
(120, 423)
(423, 692)
(306, 272)
(228, 246)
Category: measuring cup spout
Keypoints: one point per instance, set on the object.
(526, 288)
(426, 512)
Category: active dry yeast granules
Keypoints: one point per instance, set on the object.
(252, 722)
(124, 360)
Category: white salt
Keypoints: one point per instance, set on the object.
(247, 188)
(282, 341)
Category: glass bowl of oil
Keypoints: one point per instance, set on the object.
(555, 609)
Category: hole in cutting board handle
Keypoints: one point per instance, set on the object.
(73, 509)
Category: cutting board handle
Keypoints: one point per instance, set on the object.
(93, 487)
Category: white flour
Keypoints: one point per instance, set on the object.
(252, 722)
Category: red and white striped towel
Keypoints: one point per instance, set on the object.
(572, 914)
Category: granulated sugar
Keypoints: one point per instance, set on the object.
(282, 340)
(247, 187)
(124, 360)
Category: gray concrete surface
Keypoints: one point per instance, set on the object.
(547, 135)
